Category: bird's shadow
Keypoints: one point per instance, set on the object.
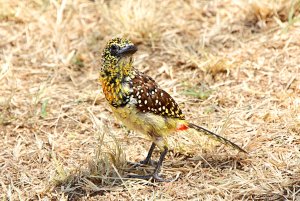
(214, 161)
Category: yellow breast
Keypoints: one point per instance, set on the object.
(153, 126)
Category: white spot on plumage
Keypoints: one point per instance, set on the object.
(145, 102)
(127, 79)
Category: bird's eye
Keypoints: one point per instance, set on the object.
(114, 49)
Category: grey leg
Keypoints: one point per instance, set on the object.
(148, 158)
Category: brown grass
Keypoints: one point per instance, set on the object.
(232, 65)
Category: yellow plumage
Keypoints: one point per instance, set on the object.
(155, 127)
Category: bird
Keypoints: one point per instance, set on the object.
(141, 105)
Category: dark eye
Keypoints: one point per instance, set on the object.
(114, 49)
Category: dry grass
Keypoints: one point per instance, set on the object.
(233, 65)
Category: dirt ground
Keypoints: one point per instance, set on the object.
(232, 65)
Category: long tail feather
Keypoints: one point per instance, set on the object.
(215, 136)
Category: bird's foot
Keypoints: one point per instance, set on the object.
(142, 163)
(148, 162)
(154, 177)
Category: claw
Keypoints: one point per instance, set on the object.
(156, 177)
(142, 163)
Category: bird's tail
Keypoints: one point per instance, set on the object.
(215, 136)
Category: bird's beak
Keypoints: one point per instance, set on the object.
(127, 50)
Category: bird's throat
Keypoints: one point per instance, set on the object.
(112, 80)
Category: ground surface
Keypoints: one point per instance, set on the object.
(232, 65)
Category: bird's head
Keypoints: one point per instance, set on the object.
(117, 55)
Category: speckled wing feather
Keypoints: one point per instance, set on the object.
(150, 98)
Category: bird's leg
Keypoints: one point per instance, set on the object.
(147, 160)
(155, 175)
(159, 164)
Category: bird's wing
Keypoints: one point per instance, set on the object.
(151, 98)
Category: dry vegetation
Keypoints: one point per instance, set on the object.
(233, 65)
